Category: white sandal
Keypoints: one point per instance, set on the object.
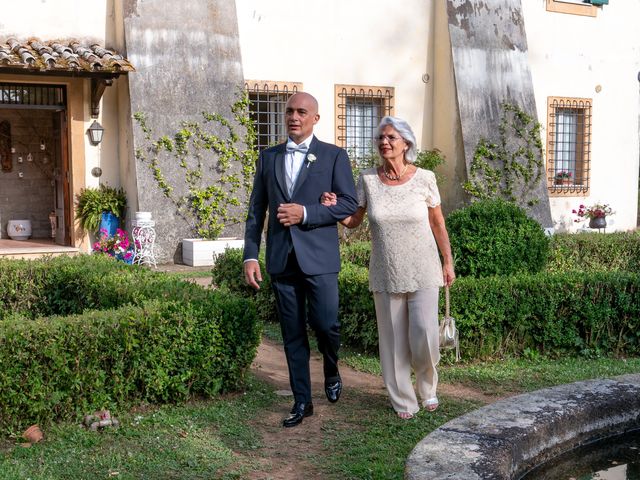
(405, 415)
(430, 404)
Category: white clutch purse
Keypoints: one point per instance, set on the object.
(448, 331)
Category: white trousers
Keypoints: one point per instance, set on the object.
(408, 336)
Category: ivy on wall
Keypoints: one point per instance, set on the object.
(217, 169)
(511, 167)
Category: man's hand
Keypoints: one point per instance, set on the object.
(328, 199)
(252, 274)
(290, 214)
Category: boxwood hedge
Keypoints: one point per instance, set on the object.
(583, 252)
(569, 312)
(80, 334)
(573, 313)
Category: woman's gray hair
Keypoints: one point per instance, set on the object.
(405, 132)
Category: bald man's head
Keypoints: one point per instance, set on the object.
(301, 115)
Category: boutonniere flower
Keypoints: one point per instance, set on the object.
(310, 159)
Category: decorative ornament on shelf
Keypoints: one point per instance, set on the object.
(53, 222)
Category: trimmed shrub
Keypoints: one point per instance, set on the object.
(125, 335)
(569, 313)
(595, 252)
(357, 316)
(67, 286)
(572, 313)
(357, 253)
(228, 273)
(495, 237)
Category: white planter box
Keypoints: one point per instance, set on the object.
(197, 252)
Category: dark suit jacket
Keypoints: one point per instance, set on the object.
(316, 242)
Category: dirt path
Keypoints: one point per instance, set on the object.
(285, 453)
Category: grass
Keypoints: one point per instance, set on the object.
(510, 376)
(221, 438)
(368, 441)
(193, 441)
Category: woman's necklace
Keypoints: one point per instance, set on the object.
(395, 178)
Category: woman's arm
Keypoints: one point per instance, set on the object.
(354, 220)
(439, 229)
(329, 198)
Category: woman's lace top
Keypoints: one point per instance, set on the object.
(404, 253)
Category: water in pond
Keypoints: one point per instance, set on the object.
(611, 459)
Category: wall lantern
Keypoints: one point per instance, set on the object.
(95, 132)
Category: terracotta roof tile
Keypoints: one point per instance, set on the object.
(56, 56)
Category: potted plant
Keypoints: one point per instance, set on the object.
(564, 177)
(596, 213)
(102, 207)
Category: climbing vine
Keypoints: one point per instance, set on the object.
(218, 170)
(512, 167)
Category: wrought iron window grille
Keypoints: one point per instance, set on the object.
(359, 110)
(568, 146)
(267, 102)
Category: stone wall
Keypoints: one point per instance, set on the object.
(187, 60)
(491, 67)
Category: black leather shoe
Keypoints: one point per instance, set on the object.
(333, 390)
(298, 412)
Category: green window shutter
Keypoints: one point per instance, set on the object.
(599, 2)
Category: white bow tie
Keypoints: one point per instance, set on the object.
(292, 147)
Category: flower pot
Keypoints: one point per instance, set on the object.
(598, 222)
(563, 181)
(33, 434)
(197, 252)
(110, 223)
(19, 229)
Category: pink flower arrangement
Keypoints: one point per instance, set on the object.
(117, 246)
(598, 210)
(563, 175)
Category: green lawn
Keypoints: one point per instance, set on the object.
(221, 439)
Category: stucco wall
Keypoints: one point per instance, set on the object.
(52, 19)
(322, 43)
(575, 56)
(489, 47)
(446, 127)
(326, 42)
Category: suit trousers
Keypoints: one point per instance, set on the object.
(302, 298)
(408, 336)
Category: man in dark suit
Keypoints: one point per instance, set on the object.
(302, 255)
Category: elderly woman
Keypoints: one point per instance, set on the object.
(405, 272)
